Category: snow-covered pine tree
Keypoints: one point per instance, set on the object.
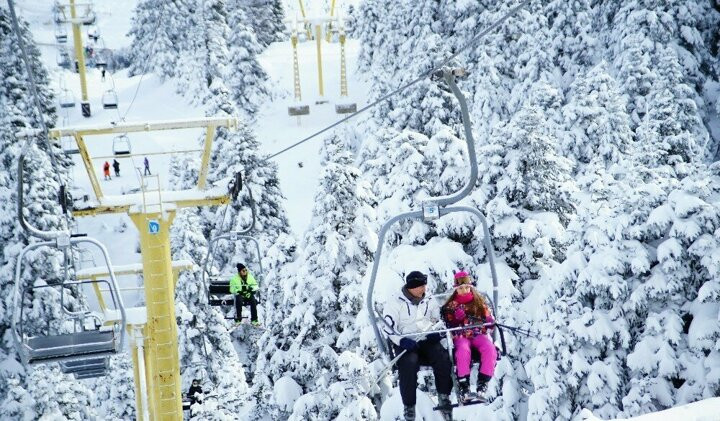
(264, 17)
(115, 393)
(18, 404)
(596, 122)
(321, 303)
(246, 77)
(159, 32)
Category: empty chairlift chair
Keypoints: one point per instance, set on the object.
(121, 145)
(61, 34)
(63, 59)
(69, 146)
(67, 99)
(110, 100)
(81, 348)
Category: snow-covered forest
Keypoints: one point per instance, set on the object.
(597, 129)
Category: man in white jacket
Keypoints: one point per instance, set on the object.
(412, 312)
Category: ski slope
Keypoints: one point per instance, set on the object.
(155, 99)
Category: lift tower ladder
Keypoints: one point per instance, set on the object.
(161, 372)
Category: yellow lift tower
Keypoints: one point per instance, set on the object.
(85, 17)
(155, 356)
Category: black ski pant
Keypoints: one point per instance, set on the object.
(428, 353)
(245, 301)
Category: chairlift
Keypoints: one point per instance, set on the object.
(69, 146)
(432, 210)
(121, 145)
(103, 338)
(110, 100)
(101, 59)
(63, 59)
(89, 17)
(298, 110)
(347, 108)
(216, 284)
(67, 99)
(61, 34)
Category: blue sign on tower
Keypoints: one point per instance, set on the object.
(153, 226)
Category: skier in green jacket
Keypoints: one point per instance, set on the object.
(243, 286)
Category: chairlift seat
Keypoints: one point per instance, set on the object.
(78, 366)
(297, 110)
(346, 108)
(110, 100)
(70, 346)
(219, 287)
(61, 38)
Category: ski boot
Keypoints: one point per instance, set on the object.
(444, 402)
(409, 413)
(482, 385)
(464, 389)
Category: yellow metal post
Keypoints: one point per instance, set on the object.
(161, 347)
(318, 42)
(202, 177)
(139, 410)
(80, 57)
(328, 35)
(88, 165)
(296, 69)
(343, 70)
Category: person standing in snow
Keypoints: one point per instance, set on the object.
(244, 286)
(106, 170)
(146, 163)
(409, 312)
(116, 167)
(466, 307)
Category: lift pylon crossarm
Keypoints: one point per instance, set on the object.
(433, 209)
(123, 127)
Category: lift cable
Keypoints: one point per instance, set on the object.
(428, 73)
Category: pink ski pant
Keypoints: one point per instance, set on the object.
(488, 354)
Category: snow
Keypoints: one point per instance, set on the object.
(706, 410)
(287, 392)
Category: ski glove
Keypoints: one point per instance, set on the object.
(459, 314)
(433, 337)
(408, 344)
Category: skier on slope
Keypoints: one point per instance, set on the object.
(106, 170)
(244, 286)
(411, 311)
(466, 307)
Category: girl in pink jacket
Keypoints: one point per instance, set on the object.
(466, 307)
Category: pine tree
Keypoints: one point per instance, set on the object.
(324, 298)
(18, 403)
(159, 33)
(246, 77)
(115, 392)
(264, 17)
